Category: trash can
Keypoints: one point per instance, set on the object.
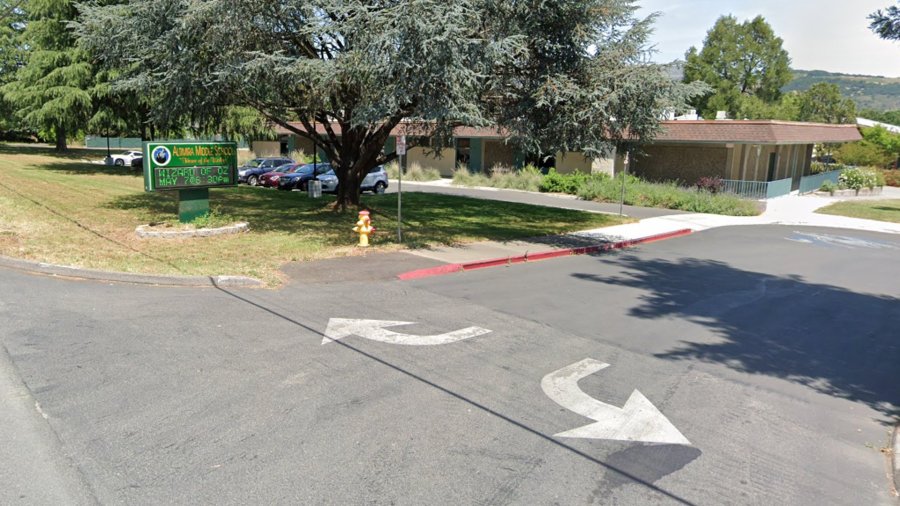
(314, 188)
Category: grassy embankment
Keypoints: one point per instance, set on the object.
(63, 209)
(881, 210)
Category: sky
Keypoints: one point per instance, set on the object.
(830, 35)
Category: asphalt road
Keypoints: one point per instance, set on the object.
(771, 351)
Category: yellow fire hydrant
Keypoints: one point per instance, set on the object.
(363, 228)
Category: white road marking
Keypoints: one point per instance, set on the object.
(639, 420)
(839, 240)
(339, 328)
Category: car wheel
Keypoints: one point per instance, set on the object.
(253, 180)
(119, 162)
(380, 187)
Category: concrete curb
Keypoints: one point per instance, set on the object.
(533, 257)
(146, 231)
(125, 277)
(895, 459)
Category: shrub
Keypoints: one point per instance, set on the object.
(392, 169)
(863, 153)
(891, 177)
(414, 172)
(819, 167)
(528, 178)
(857, 178)
(829, 186)
(567, 183)
(300, 156)
(463, 177)
(666, 195)
(710, 184)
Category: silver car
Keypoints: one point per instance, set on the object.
(375, 181)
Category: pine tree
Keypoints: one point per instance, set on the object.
(49, 92)
(12, 20)
(886, 23)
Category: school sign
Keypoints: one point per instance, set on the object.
(192, 168)
(181, 165)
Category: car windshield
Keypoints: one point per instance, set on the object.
(283, 168)
(253, 163)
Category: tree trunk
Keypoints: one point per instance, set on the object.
(348, 190)
(61, 139)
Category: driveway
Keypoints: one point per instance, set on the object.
(763, 359)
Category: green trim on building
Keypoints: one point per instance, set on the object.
(476, 154)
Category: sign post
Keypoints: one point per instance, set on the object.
(401, 151)
(192, 168)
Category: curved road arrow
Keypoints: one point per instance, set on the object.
(639, 420)
(339, 328)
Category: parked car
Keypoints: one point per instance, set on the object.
(298, 179)
(123, 159)
(375, 181)
(137, 163)
(249, 172)
(273, 177)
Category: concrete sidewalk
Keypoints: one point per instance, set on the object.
(789, 210)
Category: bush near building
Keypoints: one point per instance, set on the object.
(604, 188)
(891, 177)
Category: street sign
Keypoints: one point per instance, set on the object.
(639, 420)
(185, 165)
(401, 145)
(339, 328)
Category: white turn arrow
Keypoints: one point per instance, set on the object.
(639, 420)
(376, 330)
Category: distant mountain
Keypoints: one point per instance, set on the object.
(869, 92)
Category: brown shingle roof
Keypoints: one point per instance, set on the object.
(755, 132)
(702, 131)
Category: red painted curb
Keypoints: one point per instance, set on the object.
(534, 257)
(431, 271)
(481, 264)
(495, 262)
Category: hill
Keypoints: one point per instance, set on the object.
(869, 92)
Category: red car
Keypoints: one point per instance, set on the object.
(270, 179)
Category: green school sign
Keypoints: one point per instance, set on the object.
(192, 168)
(185, 165)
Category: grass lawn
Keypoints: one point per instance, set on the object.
(881, 210)
(62, 209)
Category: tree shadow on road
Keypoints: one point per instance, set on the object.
(833, 340)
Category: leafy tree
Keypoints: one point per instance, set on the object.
(886, 23)
(823, 103)
(738, 60)
(786, 109)
(554, 75)
(49, 91)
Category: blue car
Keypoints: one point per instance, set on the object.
(297, 179)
